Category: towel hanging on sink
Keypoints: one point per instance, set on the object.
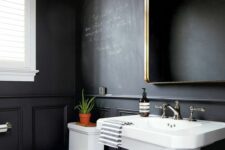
(111, 132)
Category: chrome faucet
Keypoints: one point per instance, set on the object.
(175, 110)
(163, 108)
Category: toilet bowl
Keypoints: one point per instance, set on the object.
(83, 138)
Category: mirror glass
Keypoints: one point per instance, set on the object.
(185, 41)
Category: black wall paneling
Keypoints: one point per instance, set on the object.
(12, 139)
(125, 112)
(103, 112)
(100, 112)
(38, 123)
(49, 127)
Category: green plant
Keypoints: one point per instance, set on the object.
(86, 104)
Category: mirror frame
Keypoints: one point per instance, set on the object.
(146, 42)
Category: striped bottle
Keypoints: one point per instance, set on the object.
(144, 105)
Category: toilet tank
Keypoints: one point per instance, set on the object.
(83, 138)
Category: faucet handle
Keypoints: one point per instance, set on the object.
(158, 107)
(201, 109)
(177, 105)
(195, 109)
(163, 107)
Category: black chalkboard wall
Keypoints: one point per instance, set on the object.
(124, 74)
(112, 45)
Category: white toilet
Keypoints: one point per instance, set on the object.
(83, 138)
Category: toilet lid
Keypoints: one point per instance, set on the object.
(81, 129)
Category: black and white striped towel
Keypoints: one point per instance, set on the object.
(111, 132)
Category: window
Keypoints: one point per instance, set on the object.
(17, 40)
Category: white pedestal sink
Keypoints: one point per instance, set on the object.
(155, 133)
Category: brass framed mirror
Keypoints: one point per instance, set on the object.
(184, 41)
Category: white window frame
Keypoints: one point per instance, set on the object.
(28, 71)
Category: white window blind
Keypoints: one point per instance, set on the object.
(17, 48)
(12, 31)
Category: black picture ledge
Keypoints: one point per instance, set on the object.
(137, 97)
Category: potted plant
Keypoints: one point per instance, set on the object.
(85, 107)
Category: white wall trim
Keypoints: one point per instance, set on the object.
(17, 74)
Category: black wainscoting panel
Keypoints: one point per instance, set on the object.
(11, 140)
(103, 112)
(38, 122)
(108, 148)
(49, 127)
(125, 112)
(100, 112)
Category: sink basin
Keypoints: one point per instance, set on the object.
(170, 124)
(167, 133)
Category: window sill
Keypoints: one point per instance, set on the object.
(17, 75)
